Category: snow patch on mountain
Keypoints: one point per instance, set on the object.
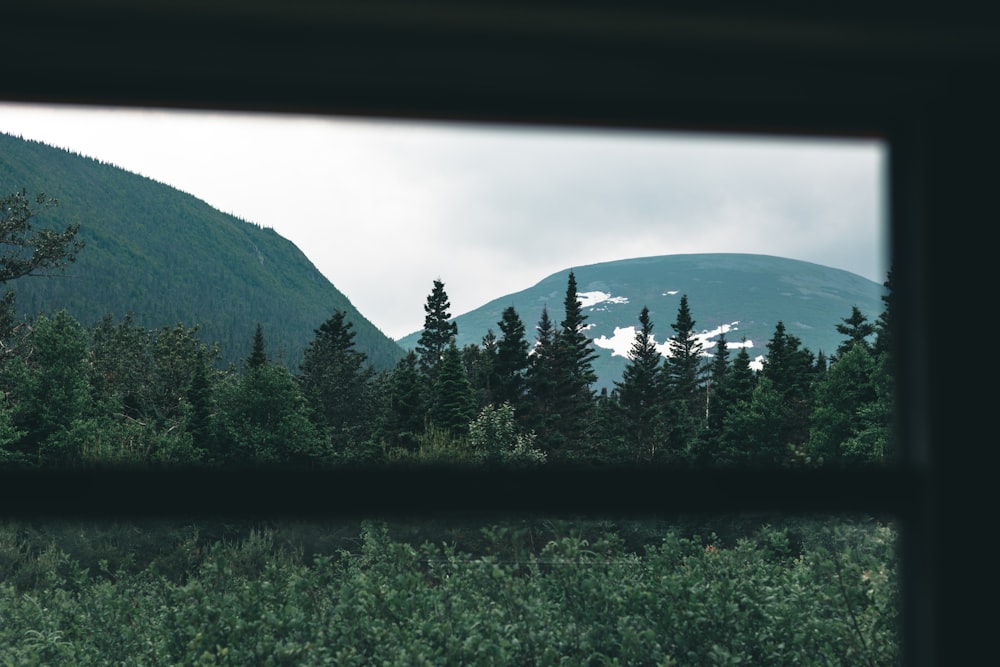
(620, 343)
(591, 299)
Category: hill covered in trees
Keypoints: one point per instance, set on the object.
(168, 258)
(742, 295)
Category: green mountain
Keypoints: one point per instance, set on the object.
(743, 295)
(170, 258)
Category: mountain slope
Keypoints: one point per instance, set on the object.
(169, 257)
(744, 295)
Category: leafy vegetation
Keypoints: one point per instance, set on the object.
(816, 592)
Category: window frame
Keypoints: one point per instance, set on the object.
(913, 79)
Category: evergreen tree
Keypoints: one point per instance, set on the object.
(640, 394)
(453, 403)
(544, 386)
(405, 415)
(791, 372)
(574, 357)
(685, 400)
(754, 434)
(885, 323)
(683, 364)
(439, 331)
(857, 329)
(199, 423)
(479, 363)
(258, 355)
(844, 408)
(742, 378)
(720, 403)
(511, 365)
(334, 378)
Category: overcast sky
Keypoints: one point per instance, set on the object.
(384, 208)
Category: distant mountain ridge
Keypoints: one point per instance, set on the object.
(170, 258)
(743, 295)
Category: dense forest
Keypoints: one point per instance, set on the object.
(770, 591)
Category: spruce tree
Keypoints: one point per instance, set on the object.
(685, 400)
(857, 329)
(511, 364)
(742, 377)
(884, 325)
(718, 390)
(791, 372)
(640, 394)
(574, 356)
(543, 385)
(683, 364)
(404, 418)
(439, 331)
(841, 401)
(453, 403)
(258, 355)
(334, 378)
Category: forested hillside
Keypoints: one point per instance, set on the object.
(169, 258)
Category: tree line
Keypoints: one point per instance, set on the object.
(117, 392)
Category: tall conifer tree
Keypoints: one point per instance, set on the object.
(543, 385)
(453, 404)
(334, 378)
(640, 394)
(857, 329)
(574, 356)
(511, 367)
(439, 331)
(258, 355)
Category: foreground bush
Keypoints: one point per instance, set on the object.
(828, 599)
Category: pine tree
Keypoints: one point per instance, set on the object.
(453, 403)
(258, 355)
(574, 356)
(511, 364)
(857, 328)
(718, 389)
(334, 378)
(742, 378)
(543, 384)
(640, 394)
(791, 372)
(884, 325)
(405, 416)
(439, 331)
(479, 363)
(684, 397)
(683, 364)
(847, 390)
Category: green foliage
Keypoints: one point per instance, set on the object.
(581, 596)
(262, 419)
(495, 439)
(27, 251)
